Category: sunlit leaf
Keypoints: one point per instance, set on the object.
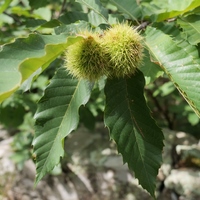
(56, 117)
(5, 5)
(181, 67)
(19, 60)
(162, 10)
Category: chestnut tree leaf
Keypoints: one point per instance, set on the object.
(5, 5)
(182, 67)
(138, 138)
(150, 70)
(162, 10)
(128, 7)
(57, 116)
(97, 7)
(191, 27)
(25, 56)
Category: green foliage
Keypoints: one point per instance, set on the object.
(61, 100)
(27, 57)
(185, 75)
(96, 6)
(173, 112)
(12, 112)
(128, 7)
(21, 144)
(5, 5)
(170, 34)
(191, 27)
(138, 138)
(162, 10)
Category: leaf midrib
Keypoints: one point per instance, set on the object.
(58, 132)
(135, 122)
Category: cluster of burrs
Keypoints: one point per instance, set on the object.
(117, 53)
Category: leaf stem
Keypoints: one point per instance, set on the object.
(63, 7)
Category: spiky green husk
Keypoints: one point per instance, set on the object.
(124, 47)
(85, 59)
